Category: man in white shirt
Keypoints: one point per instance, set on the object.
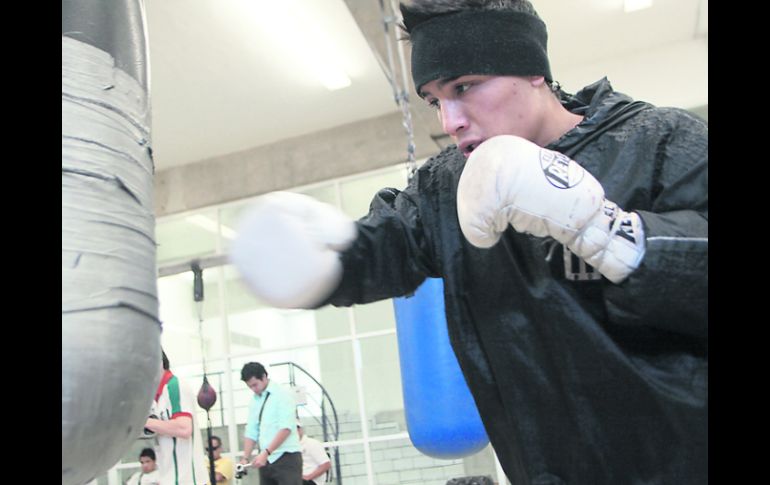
(315, 461)
(149, 474)
(180, 448)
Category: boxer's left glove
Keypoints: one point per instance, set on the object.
(509, 180)
(287, 249)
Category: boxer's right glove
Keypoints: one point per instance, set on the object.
(287, 249)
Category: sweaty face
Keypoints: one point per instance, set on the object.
(473, 108)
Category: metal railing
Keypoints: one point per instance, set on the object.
(330, 429)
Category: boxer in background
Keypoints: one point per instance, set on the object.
(180, 449)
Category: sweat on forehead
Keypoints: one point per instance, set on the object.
(489, 42)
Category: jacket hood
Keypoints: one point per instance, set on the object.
(602, 108)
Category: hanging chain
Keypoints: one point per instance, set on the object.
(199, 308)
(198, 297)
(400, 92)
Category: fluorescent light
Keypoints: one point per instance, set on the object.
(332, 78)
(634, 5)
(208, 224)
(300, 41)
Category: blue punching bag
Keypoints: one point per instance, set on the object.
(441, 415)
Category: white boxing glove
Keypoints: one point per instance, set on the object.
(287, 249)
(510, 180)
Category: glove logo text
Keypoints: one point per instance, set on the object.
(559, 170)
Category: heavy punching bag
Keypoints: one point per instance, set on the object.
(111, 357)
(441, 415)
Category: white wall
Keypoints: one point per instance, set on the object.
(673, 75)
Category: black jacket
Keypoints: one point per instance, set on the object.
(577, 380)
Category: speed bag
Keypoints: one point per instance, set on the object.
(441, 416)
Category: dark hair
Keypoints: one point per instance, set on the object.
(165, 361)
(215, 437)
(253, 369)
(149, 453)
(418, 11)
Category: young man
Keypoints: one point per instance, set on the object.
(224, 468)
(315, 461)
(149, 474)
(571, 234)
(270, 427)
(180, 449)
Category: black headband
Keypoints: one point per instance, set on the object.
(491, 42)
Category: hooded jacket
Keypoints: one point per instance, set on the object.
(577, 380)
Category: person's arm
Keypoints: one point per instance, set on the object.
(644, 226)
(248, 448)
(182, 407)
(669, 289)
(508, 181)
(317, 454)
(320, 470)
(251, 432)
(262, 458)
(288, 246)
(277, 441)
(296, 252)
(180, 426)
(392, 231)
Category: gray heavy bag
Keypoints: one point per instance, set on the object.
(111, 358)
